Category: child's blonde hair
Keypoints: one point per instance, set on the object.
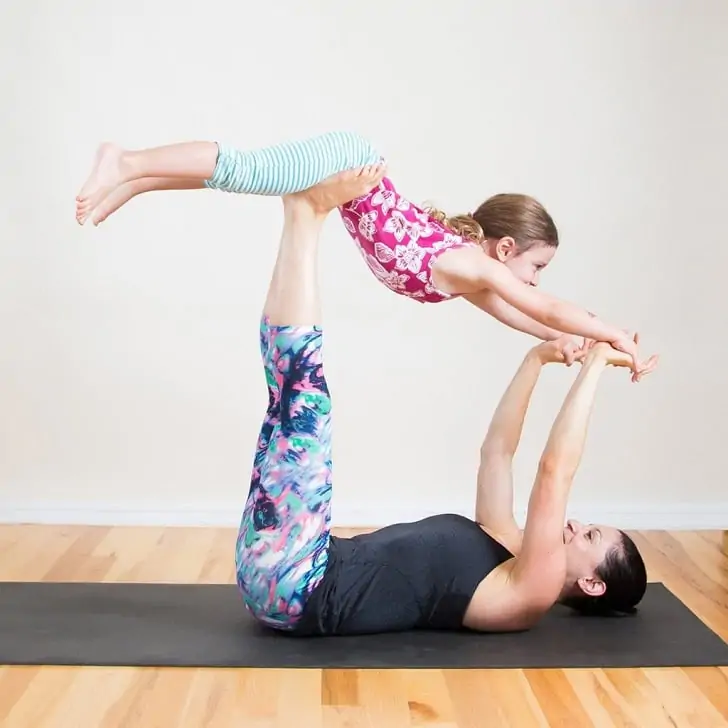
(504, 215)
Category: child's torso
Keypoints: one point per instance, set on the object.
(399, 241)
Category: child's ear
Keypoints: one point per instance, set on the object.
(505, 248)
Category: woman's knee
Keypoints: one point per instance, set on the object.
(275, 588)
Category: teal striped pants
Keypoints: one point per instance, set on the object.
(289, 167)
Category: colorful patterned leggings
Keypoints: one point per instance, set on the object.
(282, 546)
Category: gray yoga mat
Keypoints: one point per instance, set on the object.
(207, 626)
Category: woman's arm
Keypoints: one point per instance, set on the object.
(469, 270)
(494, 496)
(539, 570)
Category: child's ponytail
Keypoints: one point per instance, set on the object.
(464, 225)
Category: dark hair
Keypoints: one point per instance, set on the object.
(518, 216)
(625, 576)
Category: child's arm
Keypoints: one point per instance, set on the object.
(469, 270)
(494, 305)
(289, 167)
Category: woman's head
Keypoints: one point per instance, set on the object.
(605, 572)
(515, 229)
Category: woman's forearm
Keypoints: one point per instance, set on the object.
(565, 444)
(506, 425)
(541, 564)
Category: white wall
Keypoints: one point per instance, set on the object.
(130, 384)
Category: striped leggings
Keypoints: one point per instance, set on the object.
(282, 545)
(289, 167)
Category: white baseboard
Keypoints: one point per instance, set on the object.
(642, 516)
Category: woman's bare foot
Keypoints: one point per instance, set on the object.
(106, 175)
(341, 188)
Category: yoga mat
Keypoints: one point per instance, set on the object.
(207, 626)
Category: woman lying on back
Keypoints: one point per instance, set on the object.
(441, 572)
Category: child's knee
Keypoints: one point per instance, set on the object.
(356, 147)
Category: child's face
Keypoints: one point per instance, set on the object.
(527, 266)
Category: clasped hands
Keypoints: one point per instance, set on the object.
(568, 349)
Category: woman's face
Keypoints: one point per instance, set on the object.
(586, 547)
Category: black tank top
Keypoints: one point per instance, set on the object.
(419, 575)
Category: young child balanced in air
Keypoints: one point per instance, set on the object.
(492, 257)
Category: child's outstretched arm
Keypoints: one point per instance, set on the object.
(470, 270)
(281, 169)
(493, 304)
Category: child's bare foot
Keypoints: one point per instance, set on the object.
(343, 187)
(105, 176)
(117, 198)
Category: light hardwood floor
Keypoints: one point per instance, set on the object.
(694, 565)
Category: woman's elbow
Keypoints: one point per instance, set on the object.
(552, 468)
(498, 449)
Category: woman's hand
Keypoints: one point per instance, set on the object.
(618, 358)
(565, 350)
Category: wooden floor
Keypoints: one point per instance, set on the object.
(693, 565)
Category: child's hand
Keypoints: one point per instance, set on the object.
(628, 343)
(616, 358)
